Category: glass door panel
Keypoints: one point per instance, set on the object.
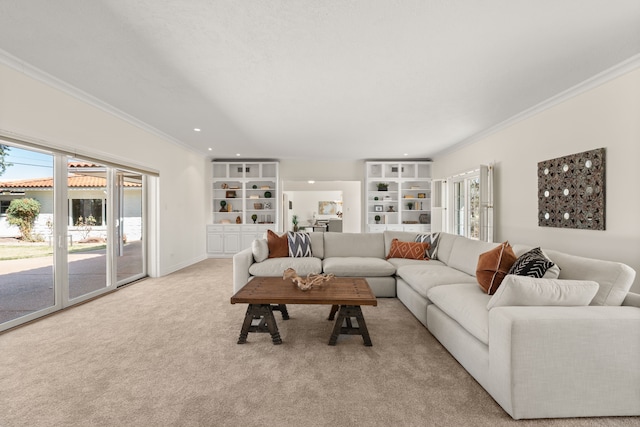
(27, 244)
(129, 226)
(88, 192)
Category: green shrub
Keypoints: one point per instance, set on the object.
(23, 213)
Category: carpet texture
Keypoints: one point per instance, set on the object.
(163, 352)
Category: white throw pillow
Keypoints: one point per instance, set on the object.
(531, 291)
(260, 250)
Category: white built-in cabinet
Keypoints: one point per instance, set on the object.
(404, 204)
(245, 203)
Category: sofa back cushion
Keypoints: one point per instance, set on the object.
(465, 254)
(614, 278)
(353, 245)
(445, 246)
(317, 244)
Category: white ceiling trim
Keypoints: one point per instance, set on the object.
(29, 70)
(591, 83)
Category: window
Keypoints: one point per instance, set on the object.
(466, 205)
(4, 205)
(470, 196)
(87, 207)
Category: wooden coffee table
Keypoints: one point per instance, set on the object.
(266, 294)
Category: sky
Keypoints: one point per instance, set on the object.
(26, 165)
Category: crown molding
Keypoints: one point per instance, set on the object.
(599, 79)
(37, 74)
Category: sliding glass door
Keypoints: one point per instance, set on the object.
(129, 225)
(27, 245)
(86, 232)
(88, 191)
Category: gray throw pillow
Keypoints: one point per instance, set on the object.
(432, 240)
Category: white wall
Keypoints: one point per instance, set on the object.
(38, 111)
(606, 116)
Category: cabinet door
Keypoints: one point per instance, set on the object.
(214, 243)
(231, 243)
(247, 239)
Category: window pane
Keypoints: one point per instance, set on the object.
(86, 211)
(474, 207)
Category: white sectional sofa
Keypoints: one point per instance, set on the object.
(535, 361)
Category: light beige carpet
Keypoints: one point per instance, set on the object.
(163, 352)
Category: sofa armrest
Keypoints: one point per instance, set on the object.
(548, 362)
(632, 300)
(241, 263)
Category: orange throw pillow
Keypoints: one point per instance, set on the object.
(278, 245)
(410, 250)
(493, 266)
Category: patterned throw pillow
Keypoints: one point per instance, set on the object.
(432, 240)
(410, 250)
(532, 264)
(299, 244)
(493, 266)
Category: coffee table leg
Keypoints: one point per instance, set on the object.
(345, 313)
(282, 308)
(257, 311)
(334, 310)
(248, 318)
(271, 325)
(362, 326)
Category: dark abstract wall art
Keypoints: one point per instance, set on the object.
(571, 191)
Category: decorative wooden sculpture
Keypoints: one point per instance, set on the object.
(306, 283)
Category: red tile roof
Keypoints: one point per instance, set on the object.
(74, 181)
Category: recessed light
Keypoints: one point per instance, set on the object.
(237, 154)
(406, 154)
(210, 149)
(196, 129)
(311, 181)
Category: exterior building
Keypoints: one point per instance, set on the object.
(87, 197)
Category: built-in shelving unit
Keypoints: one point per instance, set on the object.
(245, 204)
(399, 193)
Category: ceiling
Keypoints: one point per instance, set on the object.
(321, 79)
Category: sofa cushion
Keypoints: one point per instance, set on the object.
(317, 244)
(274, 267)
(260, 249)
(410, 250)
(357, 267)
(278, 245)
(535, 263)
(531, 291)
(353, 245)
(445, 246)
(615, 279)
(423, 277)
(465, 253)
(400, 262)
(432, 240)
(299, 244)
(466, 304)
(493, 266)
